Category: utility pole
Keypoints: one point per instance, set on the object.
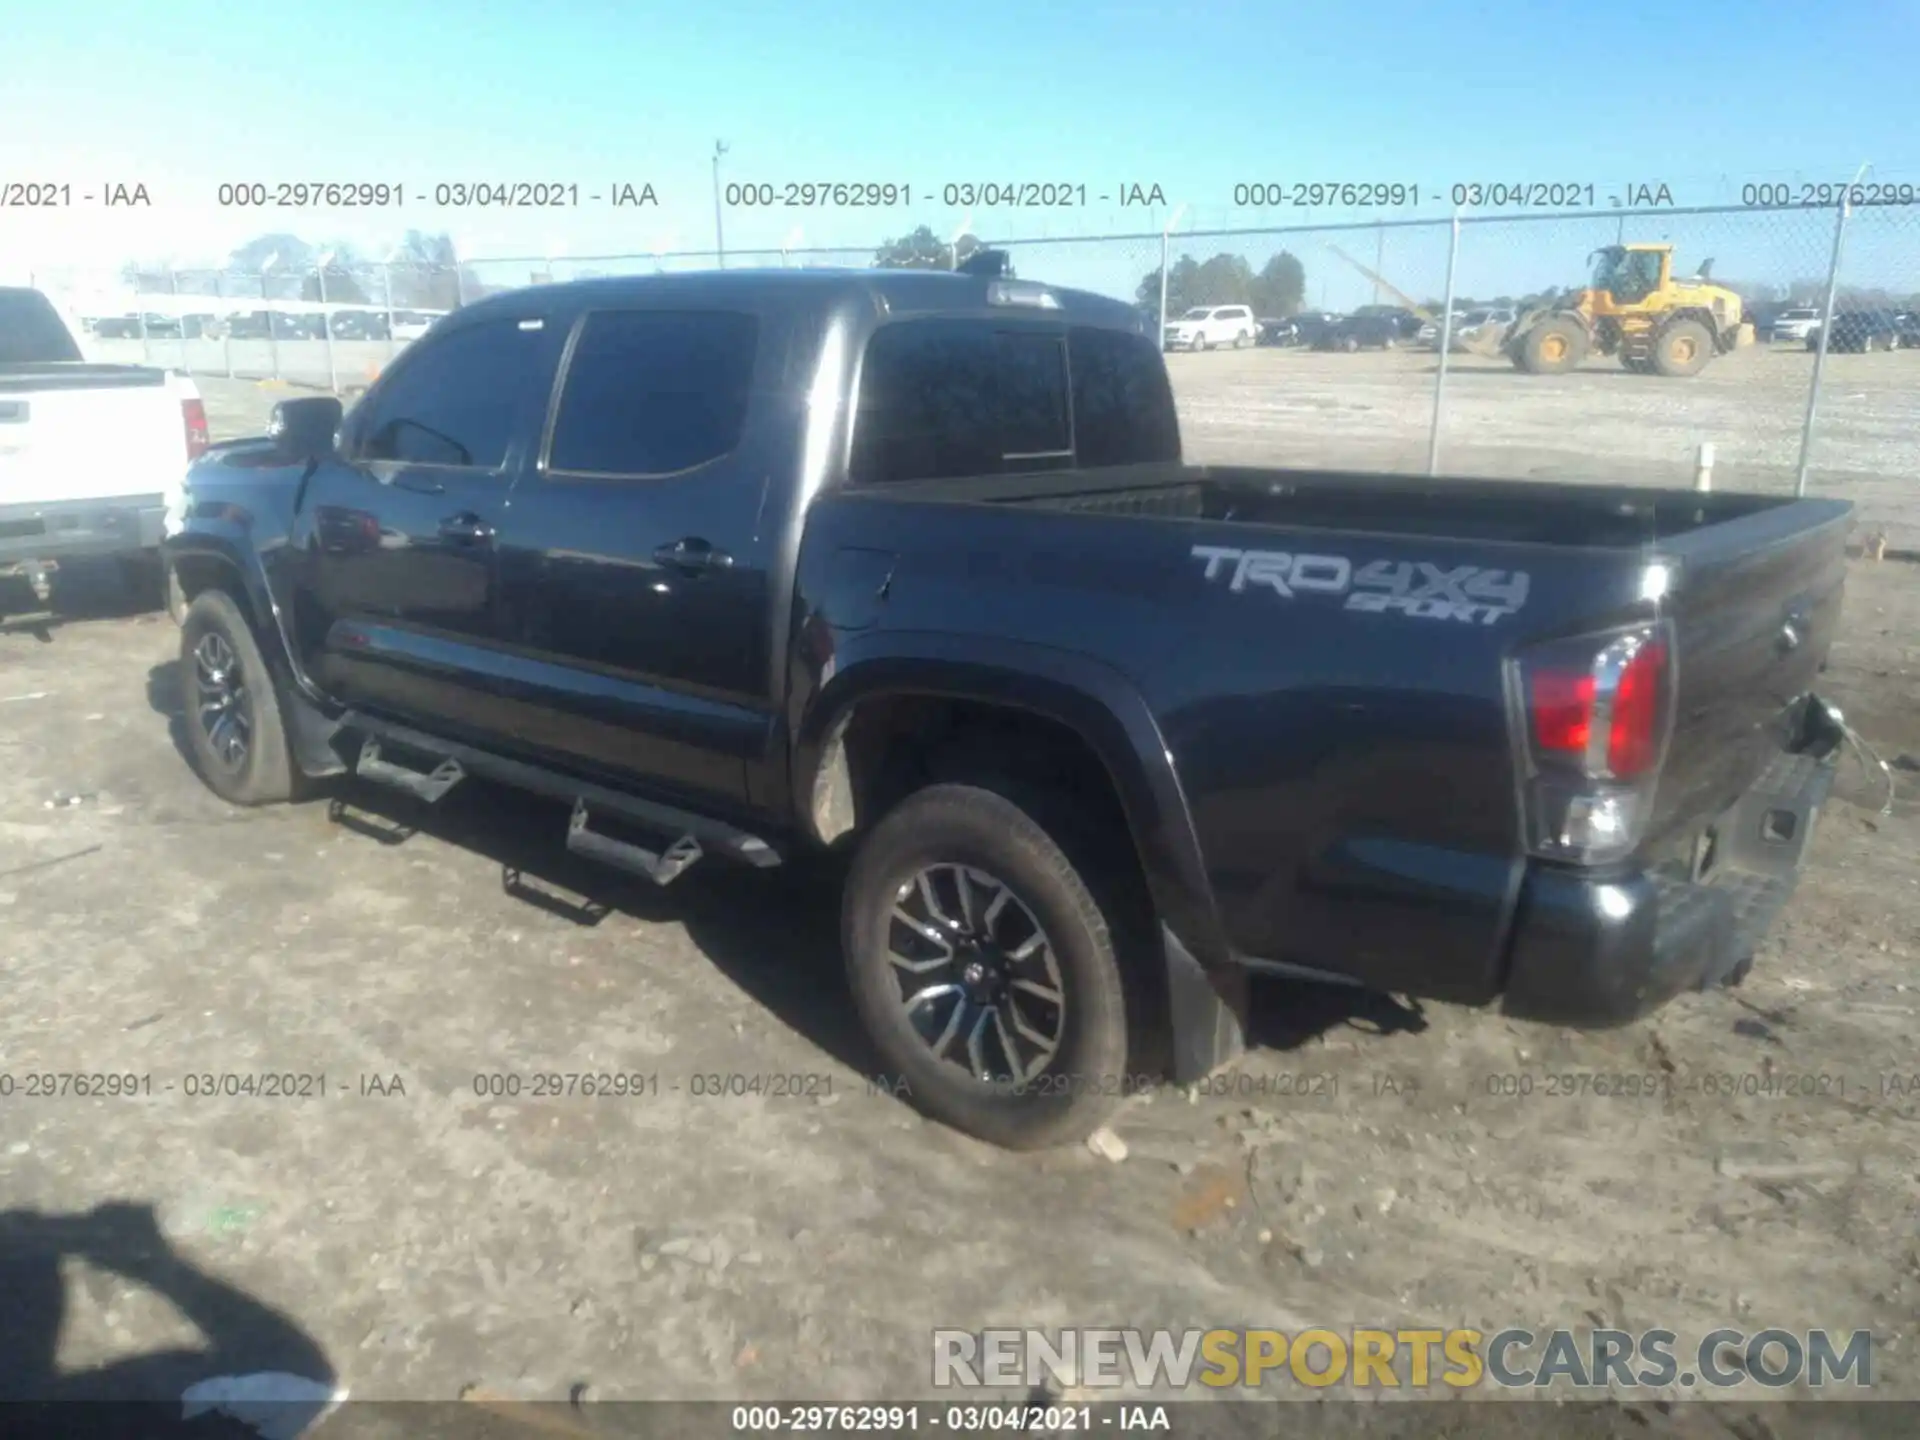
(719, 238)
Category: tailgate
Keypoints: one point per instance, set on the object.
(1755, 610)
(85, 437)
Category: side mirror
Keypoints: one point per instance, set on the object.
(304, 429)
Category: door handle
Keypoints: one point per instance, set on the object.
(466, 528)
(693, 555)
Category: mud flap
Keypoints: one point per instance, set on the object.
(1207, 1013)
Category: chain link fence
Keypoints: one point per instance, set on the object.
(1827, 394)
(1821, 390)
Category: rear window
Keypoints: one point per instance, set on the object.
(653, 392)
(1122, 405)
(31, 330)
(942, 399)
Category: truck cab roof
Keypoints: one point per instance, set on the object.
(885, 293)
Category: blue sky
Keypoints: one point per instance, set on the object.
(1195, 98)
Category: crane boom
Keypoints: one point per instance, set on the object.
(1386, 285)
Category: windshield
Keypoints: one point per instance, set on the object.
(1474, 317)
(31, 331)
(1199, 312)
(1628, 275)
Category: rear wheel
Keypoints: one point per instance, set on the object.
(984, 969)
(1682, 349)
(231, 708)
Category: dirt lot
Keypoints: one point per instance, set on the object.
(413, 1237)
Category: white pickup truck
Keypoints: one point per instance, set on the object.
(89, 453)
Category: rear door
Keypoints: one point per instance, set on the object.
(398, 596)
(637, 570)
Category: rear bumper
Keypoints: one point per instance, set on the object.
(1597, 953)
(62, 529)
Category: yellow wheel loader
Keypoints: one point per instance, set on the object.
(1636, 309)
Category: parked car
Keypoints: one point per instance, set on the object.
(1360, 332)
(267, 324)
(868, 600)
(1309, 326)
(1906, 325)
(411, 324)
(1406, 324)
(1794, 324)
(1858, 331)
(90, 452)
(1279, 332)
(359, 325)
(1469, 326)
(1206, 326)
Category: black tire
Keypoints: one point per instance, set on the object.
(1682, 348)
(1350, 343)
(1199, 342)
(262, 772)
(1069, 1091)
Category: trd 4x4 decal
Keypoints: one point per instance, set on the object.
(1416, 588)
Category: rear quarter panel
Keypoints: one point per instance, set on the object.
(1346, 768)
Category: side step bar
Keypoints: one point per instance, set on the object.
(662, 867)
(427, 785)
(697, 834)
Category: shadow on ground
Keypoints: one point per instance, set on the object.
(139, 1395)
(774, 933)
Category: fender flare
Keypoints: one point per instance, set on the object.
(1090, 698)
(228, 545)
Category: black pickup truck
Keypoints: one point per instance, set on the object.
(757, 565)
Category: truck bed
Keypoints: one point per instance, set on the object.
(1520, 511)
(1273, 621)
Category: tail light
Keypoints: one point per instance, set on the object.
(194, 415)
(1597, 711)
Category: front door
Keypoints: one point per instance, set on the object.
(398, 609)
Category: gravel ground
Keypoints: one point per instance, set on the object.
(413, 1237)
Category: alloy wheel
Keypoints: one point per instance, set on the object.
(979, 979)
(223, 712)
